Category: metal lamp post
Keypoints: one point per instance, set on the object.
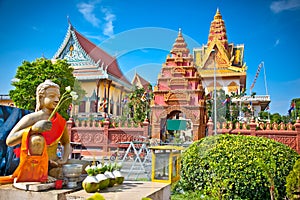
(215, 93)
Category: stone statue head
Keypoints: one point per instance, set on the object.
(40, 92)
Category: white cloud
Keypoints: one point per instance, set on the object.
(35, 28)
(279, 6)
(109, 18)
(276, 42)
(87, 9)
(94, 37)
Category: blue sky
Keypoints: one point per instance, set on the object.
(141, 33)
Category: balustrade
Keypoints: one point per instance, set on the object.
(288, 134)
(101, 137)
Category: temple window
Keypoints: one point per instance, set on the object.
(111, 107)
(93, 106)
(82, 106)
(118, 108)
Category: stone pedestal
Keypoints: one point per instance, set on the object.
(133, 190)
(7, 191)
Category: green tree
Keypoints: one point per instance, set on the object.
(264, 115)
(295, 113)
(276, 117)
(80, 92)
(223, 109)
(140, 103)
(30, 74)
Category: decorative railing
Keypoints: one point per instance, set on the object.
(288, 134)
(101, 137)
(253, 98)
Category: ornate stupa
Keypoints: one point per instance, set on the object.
(178, 94)
(227, 58)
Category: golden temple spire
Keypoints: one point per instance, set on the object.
(180, 45)
(217, 30)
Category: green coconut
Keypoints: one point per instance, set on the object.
(103, 181)
(104, 184)
(90, 184)
(96, 196)
(118, 176)
(111, 177)
(112, 182)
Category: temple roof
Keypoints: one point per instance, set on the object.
(217, 30)
(180, 45)
(140, 81)
(220, 58)
(90, 58)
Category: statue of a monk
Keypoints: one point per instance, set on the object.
(39, 138)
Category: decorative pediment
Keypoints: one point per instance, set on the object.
(222, 56)
(73, 52)
(223, 59)
(178, 81)
(176, 96)
(179, 70)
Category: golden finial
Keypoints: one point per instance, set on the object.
(218, 14)
(179, 32)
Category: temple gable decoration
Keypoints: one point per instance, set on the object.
(89, 61)
(72, 51)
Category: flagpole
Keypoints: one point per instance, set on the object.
(295, 110)
(265, 77)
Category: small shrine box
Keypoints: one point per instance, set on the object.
(165, 163)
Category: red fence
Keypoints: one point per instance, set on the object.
(97, 138)
(287, 134)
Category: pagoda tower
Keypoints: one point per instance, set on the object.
(178, 94)
(227, 58)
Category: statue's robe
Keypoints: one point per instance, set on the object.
(35, 168)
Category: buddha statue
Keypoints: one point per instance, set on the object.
(42, 134)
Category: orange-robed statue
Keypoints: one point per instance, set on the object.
(39, 139)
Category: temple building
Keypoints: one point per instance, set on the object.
(5, 100)
(140, 82)
(178, 106)
(221, 59)
(98, 73)
(224, 62)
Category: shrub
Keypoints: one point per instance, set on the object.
(293, 182)
(237, 167)
(191, 195)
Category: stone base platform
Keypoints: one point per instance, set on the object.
(133, 190)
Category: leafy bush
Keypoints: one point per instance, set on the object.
(293, 182)
(191, 195)
(237, 167)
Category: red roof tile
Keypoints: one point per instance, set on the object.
(98, 54)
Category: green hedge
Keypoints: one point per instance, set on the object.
(293, 182)
(237, 167)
